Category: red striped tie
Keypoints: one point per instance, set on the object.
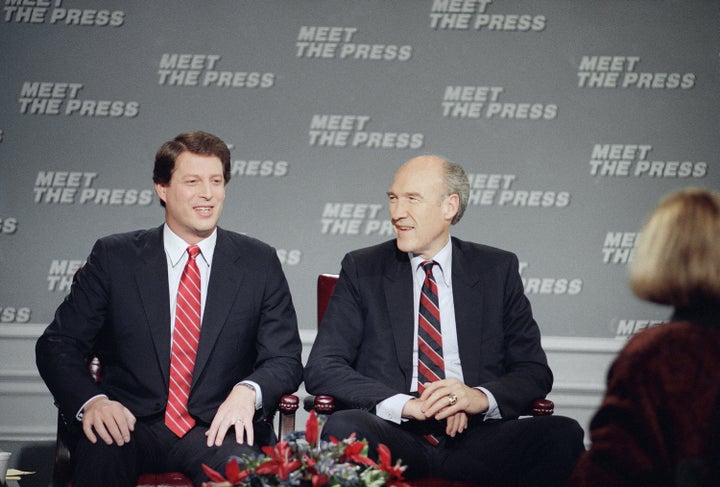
(431, 366)
(184, 347)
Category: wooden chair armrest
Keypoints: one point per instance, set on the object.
(325, 404)
(288, 405)
(322, 404)
(543, 407)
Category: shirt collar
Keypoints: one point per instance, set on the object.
(443, 259)
(175, 247)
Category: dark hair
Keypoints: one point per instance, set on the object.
(196, 142)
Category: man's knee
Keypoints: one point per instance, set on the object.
(343, 424)
(562, 443)
(102, 464)
(566, 432)
(102, 452)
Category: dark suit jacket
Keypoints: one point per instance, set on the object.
(118, 307)
(363, 351)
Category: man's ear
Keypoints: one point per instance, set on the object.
(451, 205)
(161, 191)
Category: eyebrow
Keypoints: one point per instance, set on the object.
(200, 176)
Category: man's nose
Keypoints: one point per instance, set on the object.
(398, 210)
(205, 190)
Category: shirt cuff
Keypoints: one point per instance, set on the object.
(258, 392)
(493, 411)
(80, 413)
(391, 408)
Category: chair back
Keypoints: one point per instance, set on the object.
(325, 287)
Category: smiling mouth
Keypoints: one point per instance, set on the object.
(205, 210)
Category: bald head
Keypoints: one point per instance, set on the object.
(452, 177)
(421, 207)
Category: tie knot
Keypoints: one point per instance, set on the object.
(193, 251)
(427, 266)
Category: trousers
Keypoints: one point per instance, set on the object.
(153, 448)
(533, 451)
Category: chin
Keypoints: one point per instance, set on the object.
(204, 232)
(404, 246)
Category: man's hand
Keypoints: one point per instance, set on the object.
(417, 409)
(456, 424)
(112, 421)
(413, 409)
(237, 410)
(447, 397)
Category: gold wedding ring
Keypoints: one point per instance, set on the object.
(452, 399)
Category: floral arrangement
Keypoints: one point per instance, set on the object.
(311, 462)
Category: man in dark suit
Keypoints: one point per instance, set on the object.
(124, 306)
(372, 347)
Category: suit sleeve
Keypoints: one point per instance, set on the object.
(526, 375)
(331, 366)
(278, 367)
(62, 350)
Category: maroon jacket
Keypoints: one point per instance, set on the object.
(659, 422)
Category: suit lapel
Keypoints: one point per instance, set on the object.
(468, 302)
(398, 286)
(151, 277)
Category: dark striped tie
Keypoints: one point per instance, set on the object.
(431, 366)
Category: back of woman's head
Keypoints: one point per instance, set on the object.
(677, 259)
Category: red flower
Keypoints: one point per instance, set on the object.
(232, 471)
(279, 463)
(311, 429)
(212, 474)
(310, 462)
(317, 479)
(320, 480)
(395, 472)
(353, 453)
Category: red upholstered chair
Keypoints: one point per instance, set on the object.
(62, 470)
(324, 404)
